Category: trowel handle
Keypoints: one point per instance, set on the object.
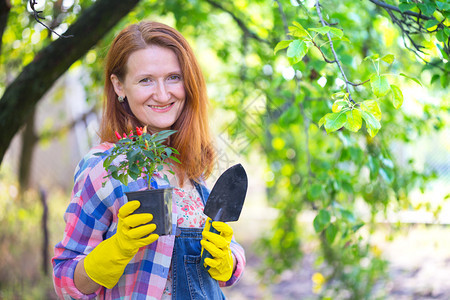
(206, 254)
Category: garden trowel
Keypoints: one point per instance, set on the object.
(227, 197)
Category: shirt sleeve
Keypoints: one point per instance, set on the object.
(239, 254)
(89, 218)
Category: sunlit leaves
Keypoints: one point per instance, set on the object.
(297, 50)
(380, 85)
(282, 45)
(397, 100)
(327, 29)
(333, 121)
(354, 120)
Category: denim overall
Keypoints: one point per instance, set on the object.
(190, 279)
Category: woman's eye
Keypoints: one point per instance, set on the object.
(145, 80)
(175, 77)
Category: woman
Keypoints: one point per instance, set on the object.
(152, 79)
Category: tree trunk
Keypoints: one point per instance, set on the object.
(29, 140)
(22, 95)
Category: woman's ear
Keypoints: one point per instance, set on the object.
(118, 87)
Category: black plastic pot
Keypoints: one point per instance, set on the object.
(158, 203)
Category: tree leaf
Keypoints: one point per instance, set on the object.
(372, 107)
(389, 58)
(412, 78)
(354, 120)
(330, 233)
(380, 85)
(297, 49)
(372, 57)
(338, 105)
(397, 96)
(334, 121)
(372, 124)
(297, 30)
(406, 6)
(337, 32)
(327, 29)
(322, 120)
(321, 220)
(281, 45)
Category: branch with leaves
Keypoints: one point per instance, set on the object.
(346, 112)
(427, 17)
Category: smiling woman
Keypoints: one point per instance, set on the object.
(152, 79)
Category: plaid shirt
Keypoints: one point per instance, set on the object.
(91, 217)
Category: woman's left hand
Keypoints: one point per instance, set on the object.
(218, 245)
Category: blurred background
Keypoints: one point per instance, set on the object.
(329, 215)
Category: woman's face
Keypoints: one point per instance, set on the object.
(154, 87)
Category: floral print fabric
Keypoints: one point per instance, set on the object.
(189, 207)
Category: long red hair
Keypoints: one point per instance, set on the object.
(192, 139)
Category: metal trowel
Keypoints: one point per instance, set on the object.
(227, 197)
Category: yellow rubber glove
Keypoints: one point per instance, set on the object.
(106, 263)
(218, 245)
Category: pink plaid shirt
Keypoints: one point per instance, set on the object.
(91, 217)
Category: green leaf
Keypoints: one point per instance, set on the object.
(281, 45)
(389, 58)
(334, 121)
(427, 8)
(348, 215)
(297, 30)
(322, 121)
(175, 159)
(406, 6)
(321, 220)
(443, 5)
(431, 23)
(338, 105)
(354, 120)
(327, 29)
(330, 233)
(380, 85)
(315, 191)
(440, 36)
(372, 124)
(337, 32)
(397, 96)
(100, 154)
(372, 107)
(372, 57)
(297, 50)
(412, 78)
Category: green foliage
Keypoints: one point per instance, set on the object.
(145, 153)
(298, 111)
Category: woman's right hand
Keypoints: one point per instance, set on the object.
(131, 233)
(106, 263)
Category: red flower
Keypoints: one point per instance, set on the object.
(139, 130)
(117, 135)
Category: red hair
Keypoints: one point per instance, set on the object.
(192, 139)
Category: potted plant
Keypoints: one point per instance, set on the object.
(140, 155)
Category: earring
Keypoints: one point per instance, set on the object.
(120, 99)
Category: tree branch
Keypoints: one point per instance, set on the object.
(395, 8)
(319, 12)
(239, 22)
(22, 95)
(38, 19)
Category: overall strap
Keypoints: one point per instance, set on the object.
(203, 191)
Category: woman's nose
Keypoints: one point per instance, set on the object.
(162, 92)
